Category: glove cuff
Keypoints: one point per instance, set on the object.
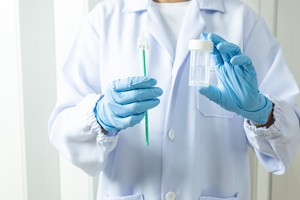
(260, 116)
(112, 131)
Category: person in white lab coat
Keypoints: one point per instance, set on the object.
(198, 147)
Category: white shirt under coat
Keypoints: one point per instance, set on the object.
(197, 149)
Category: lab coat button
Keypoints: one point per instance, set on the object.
(172, 134)
(170, 196)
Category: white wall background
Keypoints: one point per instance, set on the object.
(34, 39)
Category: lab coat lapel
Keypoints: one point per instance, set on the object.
(192, 26)
(157, 30)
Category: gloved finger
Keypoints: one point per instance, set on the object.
(225, 56)
(137, 95)
(131, 83)
(216, 39)
(229, 48)
(244, 61)
(212, 93)
(216, 53)
(204, 35)
(125, 122)
(133, 108)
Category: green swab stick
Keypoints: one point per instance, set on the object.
(146, 115)
(143, 44)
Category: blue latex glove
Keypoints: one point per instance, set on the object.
(237, 89)
(125, 102)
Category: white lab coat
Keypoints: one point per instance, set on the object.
(197, 149)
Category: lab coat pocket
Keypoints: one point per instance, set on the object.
(131, 197)
(211, 109)
(217, 198)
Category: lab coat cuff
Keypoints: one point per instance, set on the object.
(275, 128)
(91, 119)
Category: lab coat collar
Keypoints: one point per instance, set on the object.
(143, 5)
(136, 5)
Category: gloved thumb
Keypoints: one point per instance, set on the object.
(212, 93)
(204, 35)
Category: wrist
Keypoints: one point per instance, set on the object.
(105, 129)
(269, 122)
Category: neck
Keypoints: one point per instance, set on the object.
(169, 1)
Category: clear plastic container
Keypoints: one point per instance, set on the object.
(200, 62)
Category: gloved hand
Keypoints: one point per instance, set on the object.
(237, 89)
(125, 102)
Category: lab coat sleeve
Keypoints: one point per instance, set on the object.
(277, 145)
(73, 128)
